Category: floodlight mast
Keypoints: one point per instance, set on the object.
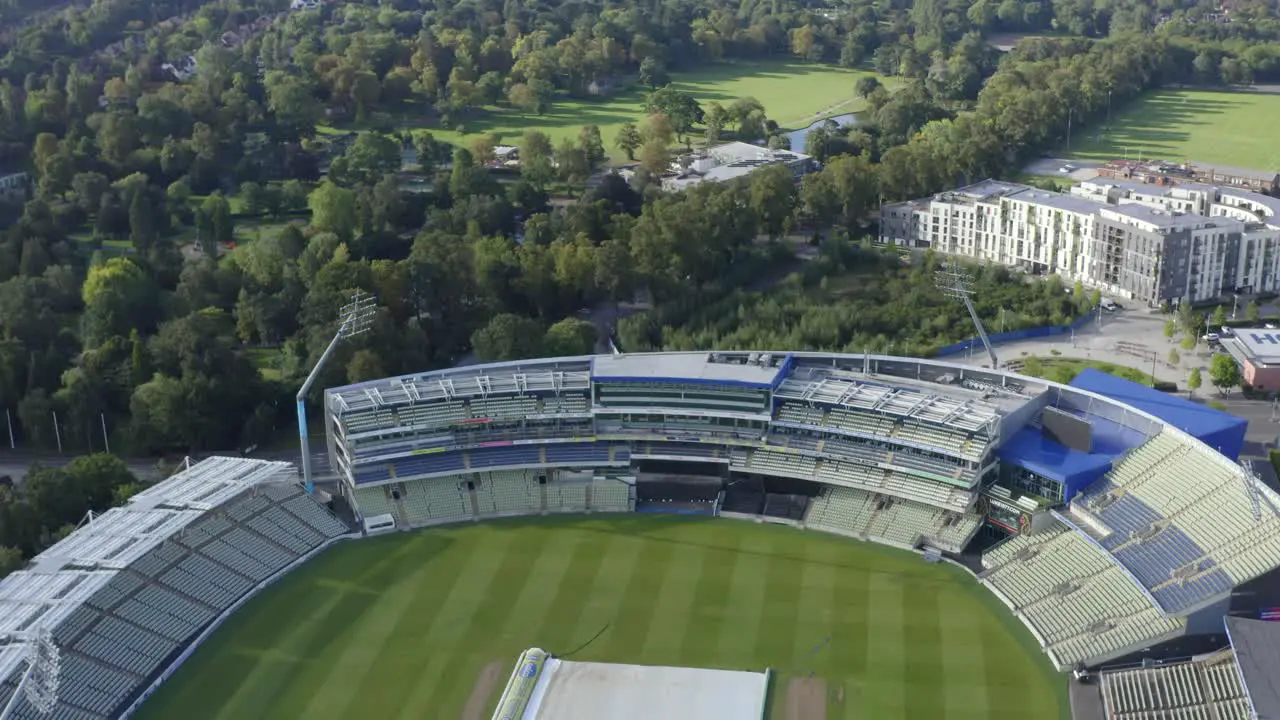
(954, 282)
(39, 684)
(355, 318)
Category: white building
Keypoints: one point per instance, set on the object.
(733, 160)
(1144, 242)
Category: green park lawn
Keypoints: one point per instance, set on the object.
(1231, 128)
(793, 93)
(400, 626)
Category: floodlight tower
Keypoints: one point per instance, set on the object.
(955, 282)
(39, 684)
(355, 318)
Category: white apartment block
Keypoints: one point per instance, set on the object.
(1144, 242)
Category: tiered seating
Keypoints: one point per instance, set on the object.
(1081, 604)
(1202, 689)
(577, 453)
(861, 423)
(566, 497)
(507, 408)
(900, 485)
(801, 414)
(512, 492)
(433, 501)
(781, 464)
(433, 464)
(842, 510)
(1180, 517)
(373, 501)
(371, 420)
(514, 455)
(432, 415)
(564, 404)
(610, 496)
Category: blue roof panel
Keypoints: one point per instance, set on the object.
(1222, 431)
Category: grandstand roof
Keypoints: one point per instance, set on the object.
(62, 577)
(553, 375)
(1218, 430)
(1032, 450)
(1257, 647)
(695, 368)
(838, 387)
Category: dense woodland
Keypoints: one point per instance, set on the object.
(119, 304)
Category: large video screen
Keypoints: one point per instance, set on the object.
(1067, 429)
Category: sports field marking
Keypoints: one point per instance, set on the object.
(485, 685)
(806, 699)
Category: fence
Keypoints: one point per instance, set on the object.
(1013, 335)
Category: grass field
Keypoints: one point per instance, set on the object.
(1202, 126)
(794, 95)
(400, 626)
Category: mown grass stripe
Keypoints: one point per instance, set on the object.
(454, 618)
(629, 624)
(672, 601)
(776, 641)
(960, 648)
(740, 617)
(924, 671)
(881, 693)
(708, 610)
(617, 563)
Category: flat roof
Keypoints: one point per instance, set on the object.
(683, 368)
(1032, 450)
(1165, 218)
(600, 691)
(1260, 345)
(1257, 648)
(1061, 201)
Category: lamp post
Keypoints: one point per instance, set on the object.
(355, 318)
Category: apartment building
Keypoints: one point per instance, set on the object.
(1144, 242)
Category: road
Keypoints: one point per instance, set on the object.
(1084, 169)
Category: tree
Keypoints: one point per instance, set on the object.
(11, 559)
(365, 365)
(628, 140)
(773, 198)
(677, 105)
(370, 157)
(1188, 342)
(142, 222)
(658, 128)
(1224, 373)
(570, 336)
(572, 162)
(1219, 316)
(1193, 381)
(1251, 311)
(217, 212)
(653, 73)
(536, 157)
(1095, 298)
(866, 85)
(508, 337)
(425, 149)
(1170, 329)
(254, 196)
(333, 209)
(118, 297)
(592, 145)
(654, 157)
(1174, 357)
(715, 118)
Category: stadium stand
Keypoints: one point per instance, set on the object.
(1079, 602)
(1188, 523)
(1138, 526)
(129, 588)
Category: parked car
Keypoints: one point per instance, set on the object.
(1270, 326)
(1212, 337)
